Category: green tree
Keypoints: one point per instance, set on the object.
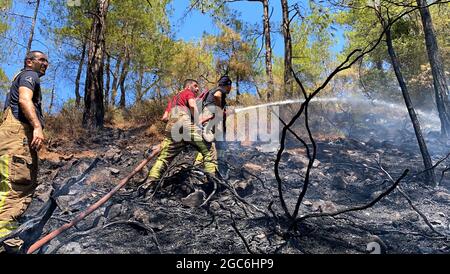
(69, 28)
(4, 6)
(375, 74)
(312, 41)
(94, 112)
(437, 68)
(139, 30)
(233, 54)
(219, 10)
(135, 39)
(401, 41)
(189, 60)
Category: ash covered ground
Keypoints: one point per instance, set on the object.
(346, 174)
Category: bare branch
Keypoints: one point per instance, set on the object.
(409, 200)
(233, 224)
(370, 204)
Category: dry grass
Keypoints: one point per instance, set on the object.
(142, 113)
(66, 124)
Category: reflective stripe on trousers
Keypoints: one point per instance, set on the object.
(170, 149)
(18, 171)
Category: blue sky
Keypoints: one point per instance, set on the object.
(191, 27)
(198, 23)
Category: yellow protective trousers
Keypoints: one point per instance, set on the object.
(217, 149)
(18, 171)
(170, 149)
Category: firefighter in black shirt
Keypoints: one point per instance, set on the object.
(21, 136)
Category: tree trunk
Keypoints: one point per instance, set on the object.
(123, 76)
(238, 92)
(33, 25)
(268, 49)
(430, 176)
(108, 80)
(287, 83)
(139, 87)
(158, 93)
(78, 77)
(115, 85)
(52, 99)
(94, 111)
(437, 69)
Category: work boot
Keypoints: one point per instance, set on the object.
(195, 199)
(11, 249)
(12, 246)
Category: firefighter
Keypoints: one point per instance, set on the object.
(182, 129)
(214, 114)
(21, 137)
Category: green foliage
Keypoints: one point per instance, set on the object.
(189, 60)
(216, 8)
(233, 55)
(312, 43)
(137, 31)
(4, 6)
(312, 57)
(376, 76)
(4, 83)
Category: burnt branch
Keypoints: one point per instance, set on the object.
(32, 229)
(235, 194)
(357, 208)
(403, 193)
(210, 195)
(308, 153)
(433, 167)
(97, 226)
(242, 170)
(233, 224)
(138, 225)
(447, 168)
(311, 160)
(350, 60)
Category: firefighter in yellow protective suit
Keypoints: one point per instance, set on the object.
(214, 115)
(181, 130)
(21, 136)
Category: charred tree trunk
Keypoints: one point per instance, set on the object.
(33, 25)
(437, 69)
(79, 71)
(287, 83)
(115, 82)
(94, 111)
(430, 176)
(123, 76)
(108, 80)
(270, 87)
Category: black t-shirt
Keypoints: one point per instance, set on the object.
(210, 98)
(30, 79)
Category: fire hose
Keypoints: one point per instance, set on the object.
(38, 244)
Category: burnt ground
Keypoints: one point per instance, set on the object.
(345, 174)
